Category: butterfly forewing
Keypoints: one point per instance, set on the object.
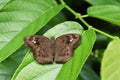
(40, 46)
(65, 45)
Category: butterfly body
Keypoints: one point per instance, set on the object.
(47, 50)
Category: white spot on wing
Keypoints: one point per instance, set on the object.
(71, 40)
(33, 41)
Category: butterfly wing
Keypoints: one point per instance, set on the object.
(40, 46)
(64, 47)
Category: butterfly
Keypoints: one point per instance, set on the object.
(57, 50)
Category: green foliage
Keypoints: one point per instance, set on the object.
(19, 18)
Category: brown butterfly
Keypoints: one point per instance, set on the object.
(47, 50)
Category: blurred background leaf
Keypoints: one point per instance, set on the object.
(87, 73)
(8, 66)
(104, 2)
(108, 13)
(110, 68)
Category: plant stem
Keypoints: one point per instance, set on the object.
(84, 16)
(106, 34)
(78, 15)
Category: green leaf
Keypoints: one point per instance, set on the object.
(104, 2)
(110, 69)
(30, 69)
(8, 66)
(110, 13)
(41, 72)
(23, 17)
(3, 3)
(26, 61)
(71, 69)
(59, 18)
(64, 28)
